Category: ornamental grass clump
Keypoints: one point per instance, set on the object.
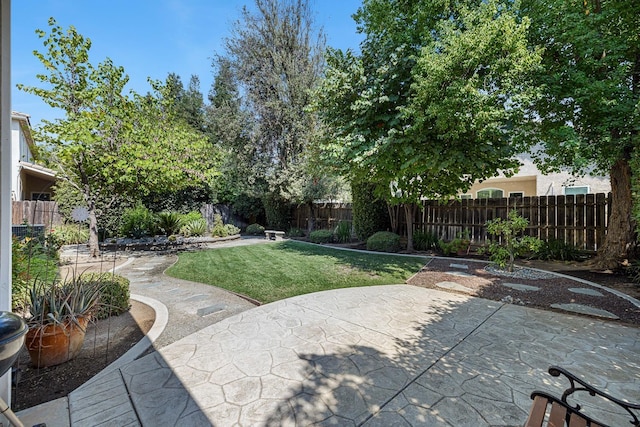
(343, 232)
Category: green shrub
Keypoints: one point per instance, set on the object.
(29, 262)
(370, 214)
(71, 234)
(138, 222)
(218, 229)
(384, 241)
(114, 293)
(556, 249)
(295, 232)
(231, 229)
(248, 206)
(254, 230)
(169, 222)
(277, 211)
(190, 217)
(343, 232)
(321, 236)
(460, 244)
(424, 240)
(452, 247)
(197, 227)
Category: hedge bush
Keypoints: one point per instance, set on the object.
(370, 214)
(114, 293)
(384, 241)
(138, 222)
(277, 211)
(255, 230)
(321, 236)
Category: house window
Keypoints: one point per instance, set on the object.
(578, 189)
(466, 196)
(43, 197)
(516, 194)
(489, 193)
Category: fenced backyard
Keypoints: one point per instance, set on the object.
(579, 220)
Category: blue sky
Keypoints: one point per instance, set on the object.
(149, 38)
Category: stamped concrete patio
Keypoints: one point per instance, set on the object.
(377, 356)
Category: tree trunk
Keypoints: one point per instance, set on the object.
(394, 215)
(410, 213)
(94, 249)
(311, 221)
(620, 236)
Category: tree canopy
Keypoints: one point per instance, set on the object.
(589, 113)
(110, 144)
(421, 109)
(274, 57)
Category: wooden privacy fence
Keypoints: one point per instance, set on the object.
(579, 220)
(35, 212)
(327, 214)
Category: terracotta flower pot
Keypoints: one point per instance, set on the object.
(50, 345)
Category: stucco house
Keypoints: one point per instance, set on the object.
(29, 180)
(530, 181)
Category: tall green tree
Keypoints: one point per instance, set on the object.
(110, 145)
(229, 127)
(276, 55)
(189, 102)
(589, 115)
(427, 107)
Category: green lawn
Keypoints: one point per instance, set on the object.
(271, 272)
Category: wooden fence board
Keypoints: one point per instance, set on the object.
(590, 221)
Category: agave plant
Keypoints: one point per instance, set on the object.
(197, 227)
(60, 303)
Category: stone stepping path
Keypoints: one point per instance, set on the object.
(521, 287)
(453, 286)
(586, 291)
(205, 311)
(571, 307)
(460, 274)
(461, 266)
(585, 309)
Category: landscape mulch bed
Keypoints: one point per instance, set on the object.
(552, 290)
(105, 341)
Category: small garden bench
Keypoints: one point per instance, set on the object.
(273, 235)
(551, 411)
